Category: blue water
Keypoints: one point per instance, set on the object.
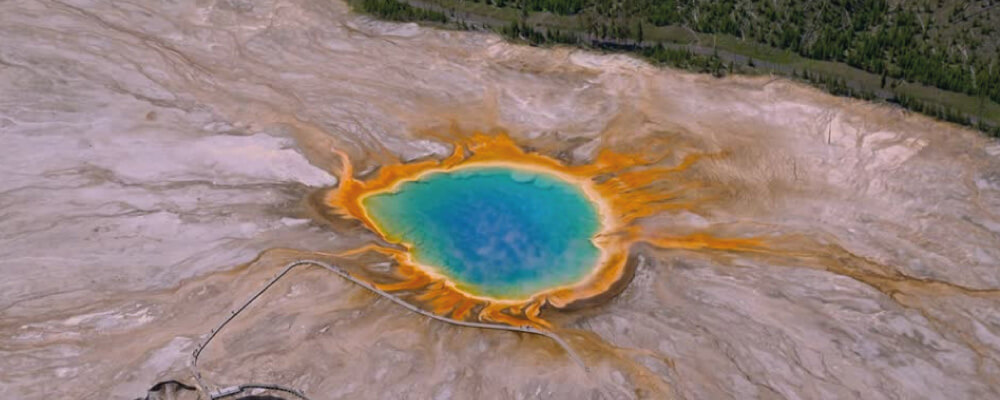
(497, 232)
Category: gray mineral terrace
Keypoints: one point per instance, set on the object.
(162, 161)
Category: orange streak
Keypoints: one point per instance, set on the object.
(370, 247)
(462, 309)
(702, 241)
(415, 283)
(624, 187)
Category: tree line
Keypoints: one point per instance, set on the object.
(394, 10)
(908, 40)
(899, 43)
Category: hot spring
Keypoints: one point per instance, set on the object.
(498, 232)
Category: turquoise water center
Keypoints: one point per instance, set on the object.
(496, 232)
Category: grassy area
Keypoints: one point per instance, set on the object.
(682, 47)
